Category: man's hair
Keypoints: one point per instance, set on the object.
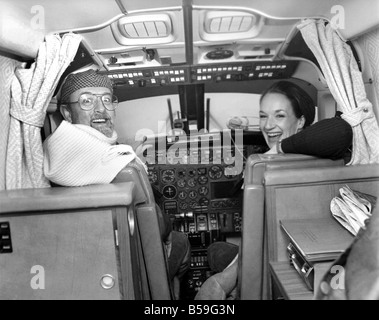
(301, 102)
(76, 81)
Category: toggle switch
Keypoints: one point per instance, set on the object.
(142, 83)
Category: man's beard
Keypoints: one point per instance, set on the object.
(107, 131)
(105, 127)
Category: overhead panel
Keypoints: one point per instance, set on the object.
(236, 34)
(229, 34)
(145, 39)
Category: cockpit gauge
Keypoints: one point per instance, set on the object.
(182, 195)
(215, 172)
(169, 192)
(203, 180)
(183, 205)
(202, 171)
(203, 191)
(192, 172)
(181, 183)
(193, 204)
(181, 173)
(168, 176)
(153, 176)
(193, 194)
(191, 183)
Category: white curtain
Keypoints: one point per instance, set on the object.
(31, 92)
(346, 85)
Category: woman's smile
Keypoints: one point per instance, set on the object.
(277, 118)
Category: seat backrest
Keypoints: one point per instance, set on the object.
(150, 220)
(307, 193)
(53, 118)
(252, 270)
(50, 239)
(151, 224)
(258, 164)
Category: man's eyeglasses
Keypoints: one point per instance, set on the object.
(87, 101)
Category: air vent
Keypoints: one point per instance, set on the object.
(150, 29)
(146, 26)
(231, 24)
(145, 29)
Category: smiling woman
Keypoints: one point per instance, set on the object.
(286, 116)
(285, 109)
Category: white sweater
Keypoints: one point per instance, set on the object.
(78, 155)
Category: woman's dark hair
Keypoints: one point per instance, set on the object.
(301, 102)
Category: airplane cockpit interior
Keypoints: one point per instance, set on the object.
(189, 78)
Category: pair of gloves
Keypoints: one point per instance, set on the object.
(352, 209)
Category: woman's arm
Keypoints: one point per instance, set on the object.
(328, 138)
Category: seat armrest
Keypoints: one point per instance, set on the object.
(65, 198)
(135, 172)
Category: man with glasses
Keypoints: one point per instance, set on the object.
(88, 99)
(83, 150)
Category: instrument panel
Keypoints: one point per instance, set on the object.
(204, 201)
(205, 73)
(196, 196)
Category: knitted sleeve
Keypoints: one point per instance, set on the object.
(328, 138)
